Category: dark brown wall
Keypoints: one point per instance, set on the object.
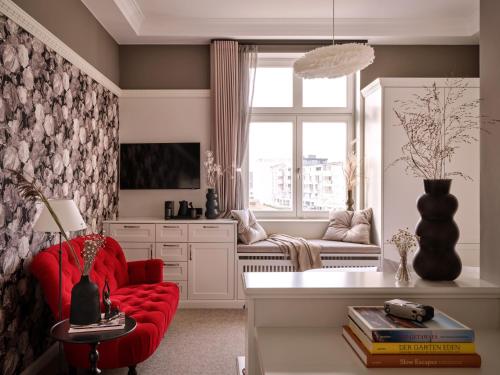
(490, 151)
(165, 66)
(73, 23)
(422, 61)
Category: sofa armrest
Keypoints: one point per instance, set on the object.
(145, 271)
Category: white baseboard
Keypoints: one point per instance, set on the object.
(43, 361)
(211, 304)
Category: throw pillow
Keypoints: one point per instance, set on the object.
(249, 230)
(349, 226)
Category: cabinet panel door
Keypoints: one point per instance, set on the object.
(211, 233)
(171, 232)
(175, 271)
(137, 251)
(172, 252)
(132, 232)
(211, 271)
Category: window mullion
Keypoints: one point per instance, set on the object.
(300, 167)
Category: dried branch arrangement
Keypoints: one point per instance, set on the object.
(405, 241)
(29, 191)
(350, 170)
(436, 125)
(92, 244)
(214, 171)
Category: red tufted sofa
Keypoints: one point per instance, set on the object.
(136, 288)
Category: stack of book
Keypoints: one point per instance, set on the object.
(117, 322)
(382, 340)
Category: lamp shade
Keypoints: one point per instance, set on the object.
(334, 61)
(67, 213)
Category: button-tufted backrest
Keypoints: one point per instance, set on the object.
(109, 264)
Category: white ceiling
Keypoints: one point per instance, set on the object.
(379, 21)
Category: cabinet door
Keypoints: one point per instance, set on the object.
(137, 251)
(211, 271)
(171, 232)
(175, 271)
(211, 233)
(132, 232)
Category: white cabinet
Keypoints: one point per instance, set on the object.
(137, 251)
(171, 232)
(211, 271)
(389, 190)
(198, 256)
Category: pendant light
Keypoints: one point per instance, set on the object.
(335, 60)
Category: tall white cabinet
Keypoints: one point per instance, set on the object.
(198, 255)
(389, 190)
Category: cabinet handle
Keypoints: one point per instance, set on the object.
(151, 251)
(210, 226)
(171, 264)
(131, 226)
(166, 245)
(190, 253)
(171, 226)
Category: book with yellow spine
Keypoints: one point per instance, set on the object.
(411, 347)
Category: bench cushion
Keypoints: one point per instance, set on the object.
(327, 247)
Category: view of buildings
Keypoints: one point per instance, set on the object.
(323, 185)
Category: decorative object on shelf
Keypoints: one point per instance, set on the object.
(436, 125)
(193, 213)
(405, 242)
(169, 210)
(106, 299)
(213, 171)
(350, 168)
(335, 60)
(183, 209)
(85, 304)
(438, 233)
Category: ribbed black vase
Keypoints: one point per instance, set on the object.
(436, 258)
(85, 304)
(212, 205)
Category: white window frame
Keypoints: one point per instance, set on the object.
(297, 115)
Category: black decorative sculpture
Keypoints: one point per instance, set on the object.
(106, 300)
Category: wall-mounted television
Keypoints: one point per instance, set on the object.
(160, 166)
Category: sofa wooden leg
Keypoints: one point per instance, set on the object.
(132, 370)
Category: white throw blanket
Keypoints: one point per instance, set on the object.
(303, 254)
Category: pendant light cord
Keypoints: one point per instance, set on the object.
(333, 22)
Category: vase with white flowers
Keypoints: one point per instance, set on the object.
(405, 242)
(213, 173)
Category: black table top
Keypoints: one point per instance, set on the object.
(60, 332)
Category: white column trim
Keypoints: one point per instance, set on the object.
(23, 19)
(165, 94)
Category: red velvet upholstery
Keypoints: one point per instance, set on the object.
(136, 288)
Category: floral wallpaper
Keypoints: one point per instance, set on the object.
(60, 127)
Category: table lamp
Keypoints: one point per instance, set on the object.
(71, 221)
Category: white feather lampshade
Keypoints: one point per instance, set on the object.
(334, 61)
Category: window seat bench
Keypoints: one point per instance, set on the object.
(265, 256)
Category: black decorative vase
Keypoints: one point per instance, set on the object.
(350, 201)
(212, 205)
(85, 304)
(438, 233)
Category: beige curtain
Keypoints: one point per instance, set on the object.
(232, 80)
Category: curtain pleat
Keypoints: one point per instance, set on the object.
(232, 79)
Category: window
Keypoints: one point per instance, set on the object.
(298, 141)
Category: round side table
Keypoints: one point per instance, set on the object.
(60, 332)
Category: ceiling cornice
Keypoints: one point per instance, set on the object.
(132, 13)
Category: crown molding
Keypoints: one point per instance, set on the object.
(28, 23)
(132, 13)
(165, 94)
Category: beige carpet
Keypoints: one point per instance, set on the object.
(198, 342)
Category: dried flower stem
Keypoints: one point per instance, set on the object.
(30, 192)
(214, 171)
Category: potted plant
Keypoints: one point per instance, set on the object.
(436, 125)
(405, 242)
(213, 173)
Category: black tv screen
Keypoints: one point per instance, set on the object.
(160, 166)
